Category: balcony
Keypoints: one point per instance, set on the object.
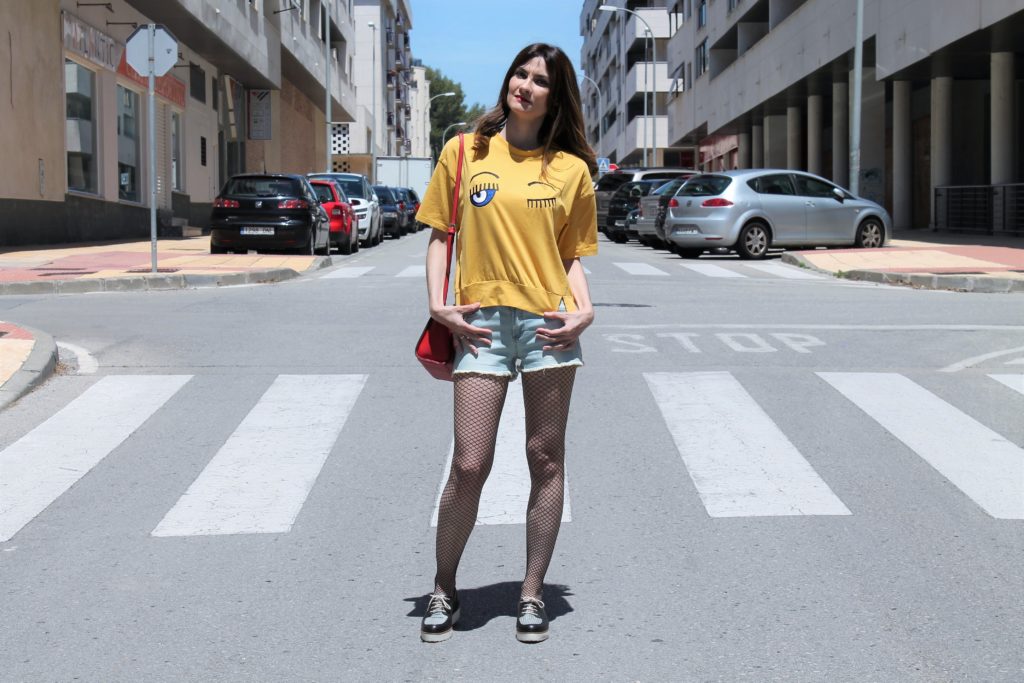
(391, 119)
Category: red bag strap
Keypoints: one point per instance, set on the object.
(454, 218)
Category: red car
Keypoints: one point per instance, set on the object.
(338, 208)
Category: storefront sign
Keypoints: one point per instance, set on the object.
(91, 43)
(259, 115)
(167, 87)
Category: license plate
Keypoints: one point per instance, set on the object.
(257, 231)
(685, 231)
(620, 224)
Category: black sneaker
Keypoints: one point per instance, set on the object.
(532, 624)
(442, 613)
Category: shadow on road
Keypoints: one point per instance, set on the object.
(479, 605)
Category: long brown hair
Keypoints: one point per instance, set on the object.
(563, 129)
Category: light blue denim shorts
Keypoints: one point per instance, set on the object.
(514, 345)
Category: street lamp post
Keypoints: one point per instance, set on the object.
(599, 98)
(444, 136)
(373, 105)
(649, 36)
(327, 80)
(858, 75)
(426, 121)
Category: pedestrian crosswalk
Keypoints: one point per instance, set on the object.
(721, 269)
(740, 461)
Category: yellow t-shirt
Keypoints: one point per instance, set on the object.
(514, 227)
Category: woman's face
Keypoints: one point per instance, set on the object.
(528, 90)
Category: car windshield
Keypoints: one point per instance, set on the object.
(384, 194)
(669, 188)
(262, 186)
(610, 182)
(626, 191)
(353, 186)
(323, 192)
(705, 185)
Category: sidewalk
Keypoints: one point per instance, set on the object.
(126, 266)
(27, 358)
(928, 260)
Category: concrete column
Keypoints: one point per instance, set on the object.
(941, 137)
(902, 156)
(757, 146)
(775, 152)
(841, 133)
(743, 151)
(794, 148)
(1002, 131)
(814, 103)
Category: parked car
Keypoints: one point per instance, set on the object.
(364, 203)
(268, 211)
(412, 204)
(754, 210)
(624, 200)
(335, 202)
(606, 185)
(649, 227)
(392, 211)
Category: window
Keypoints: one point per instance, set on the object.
(812, 187)
(176, 165)
(702, 13)
(733, 4)
(701, 57)
(689, 75)
(128, 116)
(704, 186)
(202, 151)
(197, 82)
(80, 103)
(779, 183)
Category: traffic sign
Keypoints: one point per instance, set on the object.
(165, 51)
(603, 164)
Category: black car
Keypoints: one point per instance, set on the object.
(392, 210)
(412, 204)
(268, 211)
(625, 199)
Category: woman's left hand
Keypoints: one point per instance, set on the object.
(564, 337)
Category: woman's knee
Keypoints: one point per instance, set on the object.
(471, 471)
(546, 463)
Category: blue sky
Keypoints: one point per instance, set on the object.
(473, 41)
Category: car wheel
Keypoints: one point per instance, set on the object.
(754, 240)
(218, 250)
(870, 234)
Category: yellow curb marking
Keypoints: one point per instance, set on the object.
(13, 353)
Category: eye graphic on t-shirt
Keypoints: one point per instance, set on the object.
(545, 202)
(482, 192)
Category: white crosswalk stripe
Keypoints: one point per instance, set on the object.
(978, 461)
(507, 491)
(38, 468)
(260, 478)
(711, 270)
(348, 272)
(784, 271)
(739, 460)
(1015, 382)
(641, 269)
(413, 271)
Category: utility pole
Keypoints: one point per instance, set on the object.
(858, 74)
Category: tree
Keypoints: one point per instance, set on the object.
(447, 110)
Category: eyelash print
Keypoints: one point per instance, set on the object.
(541, 203)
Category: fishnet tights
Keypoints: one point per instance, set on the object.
(479, 400)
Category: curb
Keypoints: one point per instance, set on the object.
(152, 283)
(956, 283)
(37, 368)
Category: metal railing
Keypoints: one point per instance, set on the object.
(987, 209)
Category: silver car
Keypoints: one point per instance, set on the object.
(754, 210)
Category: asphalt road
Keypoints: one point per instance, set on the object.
(771, 476)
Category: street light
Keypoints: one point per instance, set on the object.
(445, 135)
(327, 83)
(426, 121)
(858, 75)
(649, 36)
(599, 98)
(373, 106)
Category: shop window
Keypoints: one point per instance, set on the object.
(80, 100)
(128, 117)
(176, 164)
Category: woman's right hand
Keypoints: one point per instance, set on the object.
(454, 318)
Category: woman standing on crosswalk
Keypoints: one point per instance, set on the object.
(521, 303)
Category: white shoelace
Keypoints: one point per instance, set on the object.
(438, 604)
(531, 607)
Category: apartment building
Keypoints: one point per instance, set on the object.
(624, 68)
(247, 94)
(769, 83)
